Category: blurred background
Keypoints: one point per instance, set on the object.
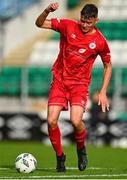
(27, 54)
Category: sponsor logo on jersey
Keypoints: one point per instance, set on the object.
(81, 50)
(92, 45)
(73, 36)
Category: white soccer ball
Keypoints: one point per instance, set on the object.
(25, 163)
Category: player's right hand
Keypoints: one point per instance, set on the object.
(52, 7)
(103, 102)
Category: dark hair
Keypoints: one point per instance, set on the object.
(89, 10)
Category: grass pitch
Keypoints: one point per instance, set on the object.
(104, 162)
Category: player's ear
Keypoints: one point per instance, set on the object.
(96, 21)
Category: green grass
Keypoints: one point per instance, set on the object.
(104, 162)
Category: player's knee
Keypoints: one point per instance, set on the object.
(76, 123)
(52, 123)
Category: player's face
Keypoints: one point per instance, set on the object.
(87, 25)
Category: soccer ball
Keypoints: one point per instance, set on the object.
(25, 163)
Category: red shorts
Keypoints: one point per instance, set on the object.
(62, 93)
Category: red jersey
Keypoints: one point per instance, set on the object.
(78, 51)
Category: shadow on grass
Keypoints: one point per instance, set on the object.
(46, 170)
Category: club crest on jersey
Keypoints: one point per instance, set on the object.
(92, 45)
(81, 50)
(83, 102)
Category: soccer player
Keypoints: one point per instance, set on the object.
(80, 44)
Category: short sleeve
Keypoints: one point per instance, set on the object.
(105, 52)
(59, 25)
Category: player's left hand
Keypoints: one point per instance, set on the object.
(103, 102)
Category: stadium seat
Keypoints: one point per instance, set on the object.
(55, 36)
(44, 53)
(72, 3)
(10, 86)
(39, 80)
(10, 9)
(115, 10)
(112, 30)
(96, 82)
(124, 81)
(10, 71)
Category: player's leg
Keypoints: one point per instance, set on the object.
(53, 129)
(55, 136)
(76, 114)
(57, 101)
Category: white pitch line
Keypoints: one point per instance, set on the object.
(70, 168)
(75, 168)
(4, 168)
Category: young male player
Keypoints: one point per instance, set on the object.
(80, 43)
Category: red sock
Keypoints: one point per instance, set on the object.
(54, 135)
(80, 139)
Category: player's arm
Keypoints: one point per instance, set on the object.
(103, 100)
(42, 20)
